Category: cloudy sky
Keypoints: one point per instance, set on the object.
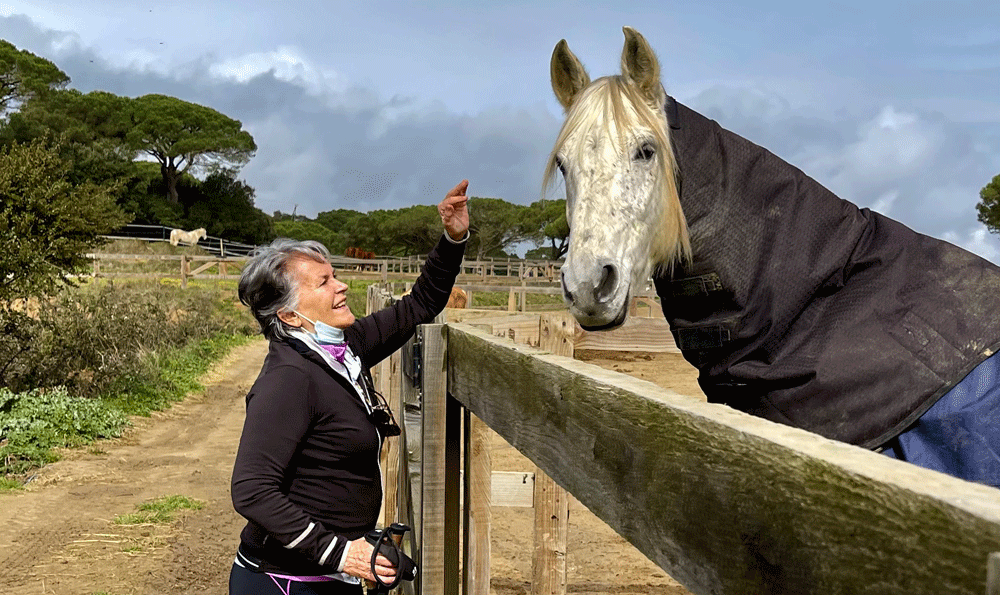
(892, 104)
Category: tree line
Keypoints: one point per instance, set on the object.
(497, 228)
(161, 160)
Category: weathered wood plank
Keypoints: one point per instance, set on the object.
(512, 488)
(488, 316)
(724, 502)
(517, 328)
(409, 505)
(389, 379)
(101, 256)
(204, 267)
(993, 574)
(548, 576)
(548, 568)
(505, 287)
(478, 499)
(439, 501)
(636, 334)
(516, 489)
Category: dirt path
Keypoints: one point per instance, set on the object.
(57, 536)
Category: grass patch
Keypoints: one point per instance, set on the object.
(158, 510)
(170, 376)
(497, 299)
(357, 295)
(8, 484)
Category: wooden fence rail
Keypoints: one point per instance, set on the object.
(724, 502)
(532, 276)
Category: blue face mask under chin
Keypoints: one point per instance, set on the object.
(324, 333)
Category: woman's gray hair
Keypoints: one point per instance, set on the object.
(266, 285)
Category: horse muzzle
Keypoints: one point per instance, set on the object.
(597, 300)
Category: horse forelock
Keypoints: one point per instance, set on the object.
(616, 107)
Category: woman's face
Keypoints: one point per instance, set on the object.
(321, 295)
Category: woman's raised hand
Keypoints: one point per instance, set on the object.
(454, 211)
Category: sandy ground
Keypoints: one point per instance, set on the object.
(57, 536)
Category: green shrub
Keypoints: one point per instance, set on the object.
(87, 338)
(74, 366)
(32, 423)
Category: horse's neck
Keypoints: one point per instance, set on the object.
(711, 163)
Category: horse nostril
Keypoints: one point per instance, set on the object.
(567, 294)
(609, 280)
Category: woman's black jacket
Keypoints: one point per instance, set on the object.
(307, 476)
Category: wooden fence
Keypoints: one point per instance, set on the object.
(724, 502)
(531, 276)
(538, 270)
(175, 266)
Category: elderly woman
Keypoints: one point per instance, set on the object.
(307, 476)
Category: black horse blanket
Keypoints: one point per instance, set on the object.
(801, 308)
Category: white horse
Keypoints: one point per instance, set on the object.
(179, 236)
(794, 305)
(622, 202)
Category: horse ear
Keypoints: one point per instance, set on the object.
(640, 66)
(568, 75)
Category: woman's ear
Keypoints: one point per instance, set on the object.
(290, 318)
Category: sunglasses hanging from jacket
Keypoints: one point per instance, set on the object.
(380, 414)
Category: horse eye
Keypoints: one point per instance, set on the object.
(559, 164)
(645, 152)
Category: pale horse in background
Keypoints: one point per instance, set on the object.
(179, 236)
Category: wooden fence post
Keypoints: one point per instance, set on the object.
(410, 504)
(548, 575)
(184, 271)
(993, 574)
(440, 470)
(478, 517)
(388, 382)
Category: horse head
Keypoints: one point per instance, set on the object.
(622, 202)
